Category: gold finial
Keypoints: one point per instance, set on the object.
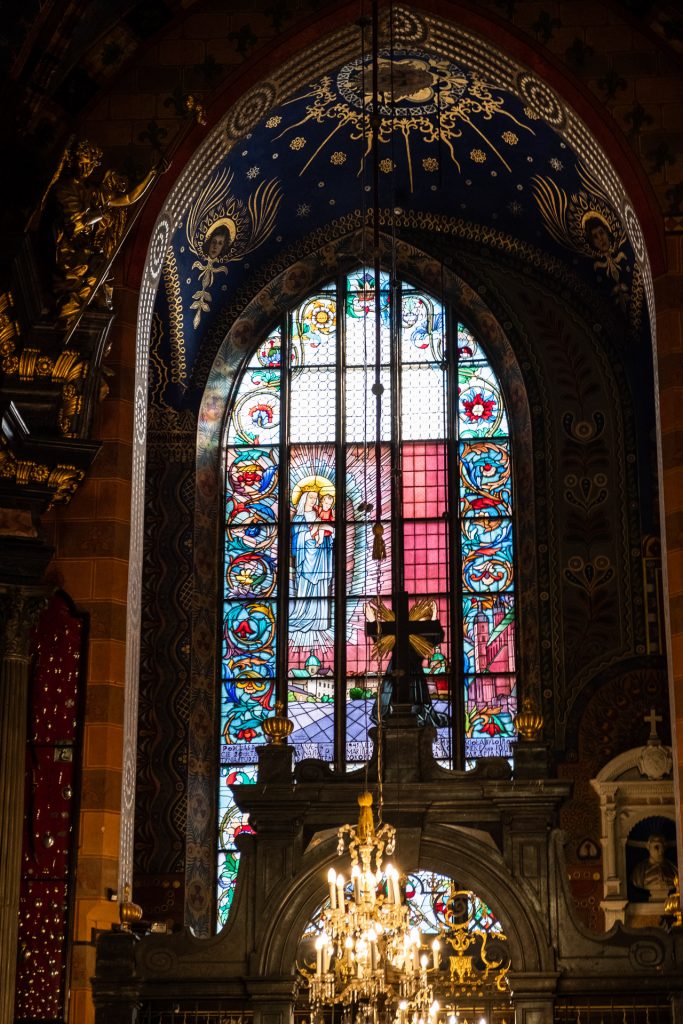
(672, 905)
(529, 721)
(279, 727)
(129, 912)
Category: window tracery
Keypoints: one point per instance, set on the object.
(311, 463)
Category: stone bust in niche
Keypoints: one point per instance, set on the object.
(655, 872)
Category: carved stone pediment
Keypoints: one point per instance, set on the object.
(633, 787)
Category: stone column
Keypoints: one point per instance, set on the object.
(19, 608)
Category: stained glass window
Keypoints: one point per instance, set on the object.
(309, 462)
(428, 895)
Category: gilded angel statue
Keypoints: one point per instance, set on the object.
(90, 218)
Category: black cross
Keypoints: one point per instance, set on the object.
(410, 640)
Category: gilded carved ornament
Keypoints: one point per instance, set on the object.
(30, 364)
(90, 223)
(62, 480)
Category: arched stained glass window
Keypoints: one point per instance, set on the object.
(310, 459)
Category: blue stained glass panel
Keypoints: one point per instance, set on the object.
(249, 573)
(249, 636)
(485, 486)
(486, 554)
(248, 699)
(252, 477)
(489, 634)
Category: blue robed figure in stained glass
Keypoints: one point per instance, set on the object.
(312, 563)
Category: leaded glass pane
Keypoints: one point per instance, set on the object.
(428, 896)
(490, 706)
(423, 402)
(467, 345)
(314, 332)
(425, 552)
(481, 412)
(268, 353)
(486, 554)
(361, 405)
(231, 823)
(313, 405)
(360, 319)
(250, 572)
(359, 652)
(365, 575)
(422, 323)
(485, 487)
(489, 633)
(425, 483)
(361, 481)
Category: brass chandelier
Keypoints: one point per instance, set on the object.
(374, 964)
(367, 954)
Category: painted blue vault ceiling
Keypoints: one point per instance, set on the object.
(453, 150)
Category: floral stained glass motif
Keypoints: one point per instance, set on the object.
(306, 481)
(231, 823)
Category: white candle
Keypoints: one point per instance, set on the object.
(436, 952)
(355, 876)
(340, 892)
(332, 881)
(390, 888)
